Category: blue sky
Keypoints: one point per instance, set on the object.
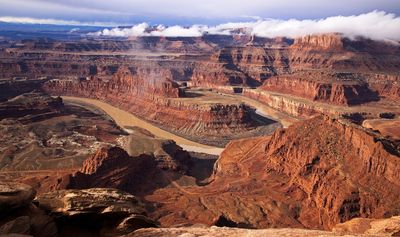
(187, 12)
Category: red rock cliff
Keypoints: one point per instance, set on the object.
(332, 42)
(152, 98)
(324, 88)
(314, 174)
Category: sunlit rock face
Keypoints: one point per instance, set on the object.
(314, 174)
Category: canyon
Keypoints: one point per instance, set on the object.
(206, 136)
(127, 121)
(303, 176)
(218, 119)
(67, 212)
(329, 68)
(274, 181)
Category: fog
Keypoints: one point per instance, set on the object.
(377, 25)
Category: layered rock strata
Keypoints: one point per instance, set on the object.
(96, 211)
(44, 139)
(109, 212)
(30, 107)
(112, 167)
(154, 101)
(90, 212)
(323, 88)
(19, 215)
(356, 227)
(314, 174)
(325, 68)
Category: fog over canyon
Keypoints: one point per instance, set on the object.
(367, 25)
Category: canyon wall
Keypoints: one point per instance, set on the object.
(387, 86)
(31, 107)
(12, 88)
(314, 174)
(331, 42)
(291, 106)
(155, 99)
(63, 65)
(332, 91)
(326, 68)
(245, 66)
(336, 182)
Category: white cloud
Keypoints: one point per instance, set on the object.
(30, 20)
(144, 29)
(174, 31)
(136, 30)
(73, 30)
(377, 25)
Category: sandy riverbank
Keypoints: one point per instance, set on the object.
(387, 127)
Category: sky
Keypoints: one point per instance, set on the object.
(186, 12)
(378, 19)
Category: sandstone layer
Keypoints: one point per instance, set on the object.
(43, 140)
(90, 212)
(40, 132)
(355, 227)
(314, 174)
(101, 212)
(109, 212)
(386, 127)
(19, 215)
(30, 107)
(211, 123)
(326, 68)
(329, 69)
(113, 168)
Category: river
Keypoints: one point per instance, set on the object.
(125, 119)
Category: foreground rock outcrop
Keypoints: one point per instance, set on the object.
(314, 174)
(90, 212)
(14, 195)
(227, 232)
(103, 212)
(331, 165)
(19, 216)
(356, 227)
(109, 212)
(148, 164)
(168, 155)
(112, 167)
(388, 226)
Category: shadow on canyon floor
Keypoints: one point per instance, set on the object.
(202, 166)
(190, 94)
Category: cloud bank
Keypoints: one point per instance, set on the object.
(377, 25)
